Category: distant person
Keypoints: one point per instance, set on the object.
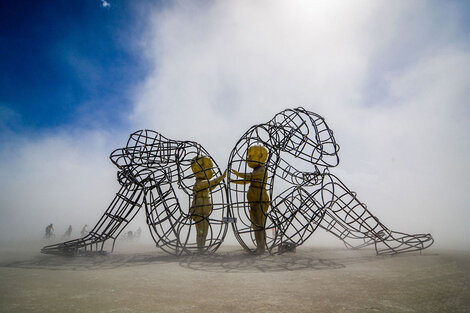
(49, 232)
(138, 232)
(130, 235)
(68, 233)
(84, 231)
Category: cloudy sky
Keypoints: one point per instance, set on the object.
(391, 78)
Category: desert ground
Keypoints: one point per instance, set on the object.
(140, 278)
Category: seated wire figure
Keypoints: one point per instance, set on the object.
(156, 173)
(303, 200)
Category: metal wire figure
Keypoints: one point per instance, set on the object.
(155, 172)
(303, 200)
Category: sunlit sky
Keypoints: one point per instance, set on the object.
(391, 78)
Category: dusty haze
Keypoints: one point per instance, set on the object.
(391, 80)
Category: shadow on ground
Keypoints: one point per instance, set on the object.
(233, 261)
(95, 262)
(239, 261)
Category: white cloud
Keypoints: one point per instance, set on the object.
(105, 4)
(389, 77)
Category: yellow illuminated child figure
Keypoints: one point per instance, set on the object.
(201, 207)
(257, 195)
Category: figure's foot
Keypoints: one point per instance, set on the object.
(286, 246)
(260, 250)
(399, 242)
(201, 250)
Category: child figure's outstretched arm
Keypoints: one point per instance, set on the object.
(245, 176)
(213, 183)
(255, 176)
(210, 183)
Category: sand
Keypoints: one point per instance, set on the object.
(140, 278)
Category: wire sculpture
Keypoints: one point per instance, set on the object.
(277, 206)
(158, 173)
(271, 203)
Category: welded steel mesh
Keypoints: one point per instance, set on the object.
(156, 173)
